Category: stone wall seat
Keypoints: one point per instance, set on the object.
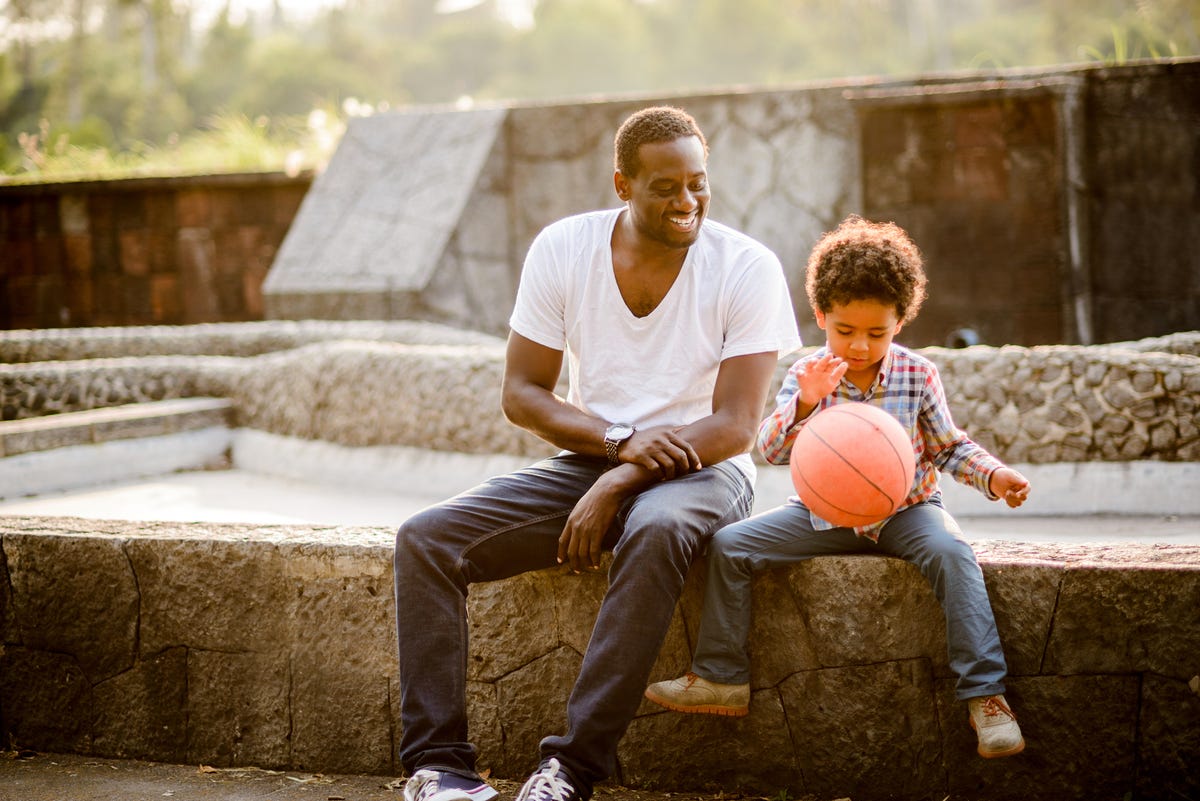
(228, 644)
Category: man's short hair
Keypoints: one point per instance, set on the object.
(650, 126)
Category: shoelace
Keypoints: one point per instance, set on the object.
(547, 785)
(993, 706)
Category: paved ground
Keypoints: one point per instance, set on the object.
(61, 777)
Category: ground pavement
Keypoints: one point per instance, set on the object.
(30, 776)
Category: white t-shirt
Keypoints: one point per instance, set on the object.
(730, 299)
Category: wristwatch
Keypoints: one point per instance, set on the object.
(613, 437)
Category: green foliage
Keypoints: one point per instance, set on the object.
(141, 87)
(228, 143)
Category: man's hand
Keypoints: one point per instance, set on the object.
(1009, 485)
(661, 451)
(580, 543)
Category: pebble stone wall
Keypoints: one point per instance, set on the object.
(428, 386)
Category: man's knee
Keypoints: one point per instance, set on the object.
(418, 534)
(659, 533)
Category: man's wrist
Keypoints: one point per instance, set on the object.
(614, 437)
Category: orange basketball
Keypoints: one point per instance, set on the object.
(853, 464)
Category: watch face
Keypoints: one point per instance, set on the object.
(619, 431)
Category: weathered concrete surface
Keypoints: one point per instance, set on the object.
(227, 644)
(369, 238)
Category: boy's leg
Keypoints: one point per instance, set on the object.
(505, 526)
(663, 530)
(927, 536)
(778, 537)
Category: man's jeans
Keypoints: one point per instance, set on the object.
(510, 525)
(925, 535)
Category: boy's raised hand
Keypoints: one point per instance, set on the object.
(817, 379)
(1009, 485)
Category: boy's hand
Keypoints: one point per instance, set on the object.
(817, 379)
(1009, 485)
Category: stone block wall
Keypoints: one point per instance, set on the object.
(228, 645)
(428, 386)
(143, 251)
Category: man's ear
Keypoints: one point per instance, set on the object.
(622, 186)
(820, 315)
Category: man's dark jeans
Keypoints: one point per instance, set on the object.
(509, 525)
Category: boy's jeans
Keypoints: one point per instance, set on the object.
(510, 525)
(925, 535)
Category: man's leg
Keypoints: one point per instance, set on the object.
(664, 529)
(505, 526)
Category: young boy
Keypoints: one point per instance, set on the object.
(865, 281)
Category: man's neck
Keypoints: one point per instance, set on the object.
(632, 248)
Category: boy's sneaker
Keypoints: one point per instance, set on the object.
(550, 782)
(996, 725)
(692, 693)
(442, 785)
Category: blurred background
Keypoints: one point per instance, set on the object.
(103, 88)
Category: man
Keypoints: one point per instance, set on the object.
(671, 326)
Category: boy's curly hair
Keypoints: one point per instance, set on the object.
(864, 260)
(650, 126)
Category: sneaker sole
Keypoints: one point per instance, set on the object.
(1016, 749)
(484, 793)
(702, 709)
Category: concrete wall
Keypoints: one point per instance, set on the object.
(1032, 192)
(270, 646)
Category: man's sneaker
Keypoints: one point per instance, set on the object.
(692, 693)
(441, 785)
(996, 725)
(550, 782)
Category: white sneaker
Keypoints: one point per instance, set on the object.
(550, 782)
(441, 785)
(996, 725)
(692, 693)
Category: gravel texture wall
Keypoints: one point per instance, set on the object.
(430, 386)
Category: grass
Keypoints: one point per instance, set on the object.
(230, 143)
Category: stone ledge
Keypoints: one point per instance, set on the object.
(1039, 405)
(97, 426)
(123, 640)
(26, 346)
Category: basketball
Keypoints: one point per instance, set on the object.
(853, 464)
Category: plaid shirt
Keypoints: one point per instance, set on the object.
(908, 388)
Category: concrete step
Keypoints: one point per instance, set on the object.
(96, 426)
(57, 452)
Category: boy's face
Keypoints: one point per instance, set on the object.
(860, 332)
